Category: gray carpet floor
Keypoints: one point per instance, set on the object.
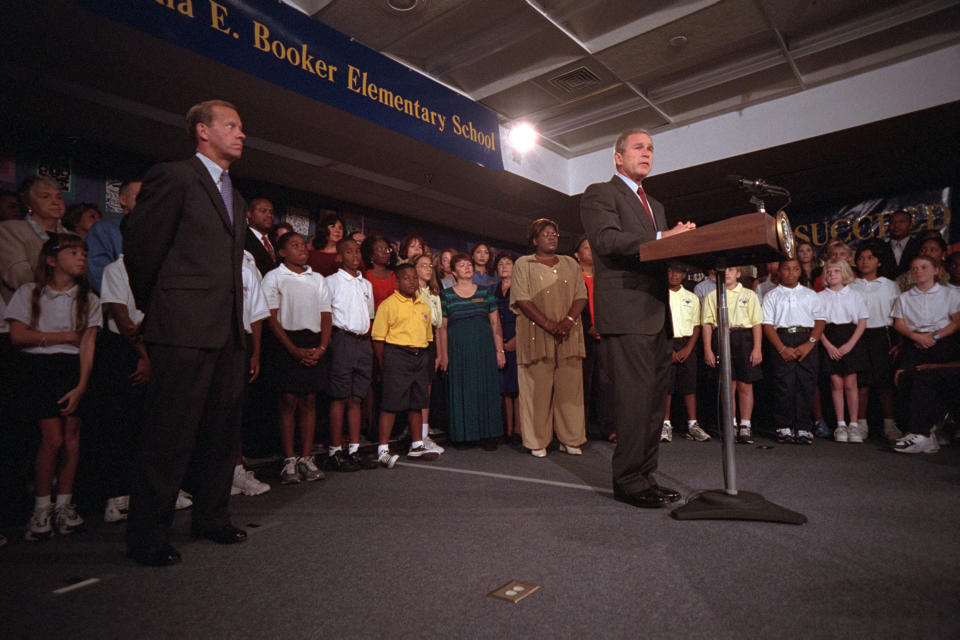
(414, 551)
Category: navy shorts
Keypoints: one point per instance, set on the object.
(406, 378)
(351, 365)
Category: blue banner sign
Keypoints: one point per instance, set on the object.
(279, 44)
(855, 223)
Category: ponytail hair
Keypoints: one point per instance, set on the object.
(44, 276)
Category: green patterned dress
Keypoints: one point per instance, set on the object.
(473, 386)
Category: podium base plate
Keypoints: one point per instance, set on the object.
(745, 505)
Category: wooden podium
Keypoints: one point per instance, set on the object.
(751, 238)
(746, 239)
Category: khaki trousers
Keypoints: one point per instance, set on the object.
(551, 401)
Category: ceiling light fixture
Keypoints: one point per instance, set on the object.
(522, 137)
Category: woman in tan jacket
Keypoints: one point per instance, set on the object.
(548, 294)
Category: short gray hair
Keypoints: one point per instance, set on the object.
(621, 142)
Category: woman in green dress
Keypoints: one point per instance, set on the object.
(471, 352)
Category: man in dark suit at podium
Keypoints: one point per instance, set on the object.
(183, 249)
(259, 221)
(631, 309)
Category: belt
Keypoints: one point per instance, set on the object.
(795, 329)
(414, 351)
(359, 336)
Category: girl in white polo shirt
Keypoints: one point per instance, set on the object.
(927, 316)
(55, 322)
(846, 316)
(299, 302)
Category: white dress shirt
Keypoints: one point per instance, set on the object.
(798, 306)
(927, 311)
(352, 300)
(57, 313)
(254, 302)
(879, 294)
(299, 298)
(845, 306)
(115, 289)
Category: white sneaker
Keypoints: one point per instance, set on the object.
(116, 509)
(430, 445)
(422, 453)
(854, 434)
(666, 433)
(309, 470)
(916, 443)
(840, 433)
(538, 453)
(66, 520)
(40, 526)
(289, 473)
(696, 432)
(246, 483)
(573, 451)
(891, 433)
(387, 459)
(184, 500)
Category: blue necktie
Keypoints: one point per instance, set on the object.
(226, 190)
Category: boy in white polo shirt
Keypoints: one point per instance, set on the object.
(351, 355)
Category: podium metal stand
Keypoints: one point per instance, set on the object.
(746, 239)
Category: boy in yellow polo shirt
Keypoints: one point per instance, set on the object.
(401, 334)
(685, 315)
(746, 354)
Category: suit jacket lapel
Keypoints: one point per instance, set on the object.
(215, 196)
(634, 203)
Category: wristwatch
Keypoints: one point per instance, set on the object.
(812, 340)
(936, 336)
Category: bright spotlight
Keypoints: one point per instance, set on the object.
(522, 137)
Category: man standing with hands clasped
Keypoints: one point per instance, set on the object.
(183, 249)
(631, 303)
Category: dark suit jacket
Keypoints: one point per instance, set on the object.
(259, 253)
(184, 257)
(890, 267)
(629, 297)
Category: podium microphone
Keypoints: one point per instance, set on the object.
(757, 186)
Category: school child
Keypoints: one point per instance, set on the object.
(844, 356)
(936, 248)
(746, 353)
(119, 379)
(685, 313)
(953, 270)
(879, 293)
(255, 311)
(927, 316)
(429, 291)
(299, 301)
(793, 322)
(402, 333)
(351, 355)
(55, 321)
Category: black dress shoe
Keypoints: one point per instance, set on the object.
(162, 555)
(227, 534)
(669, 494)
(649, 498)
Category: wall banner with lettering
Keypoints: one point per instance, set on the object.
(279, 44)
(855, 223)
